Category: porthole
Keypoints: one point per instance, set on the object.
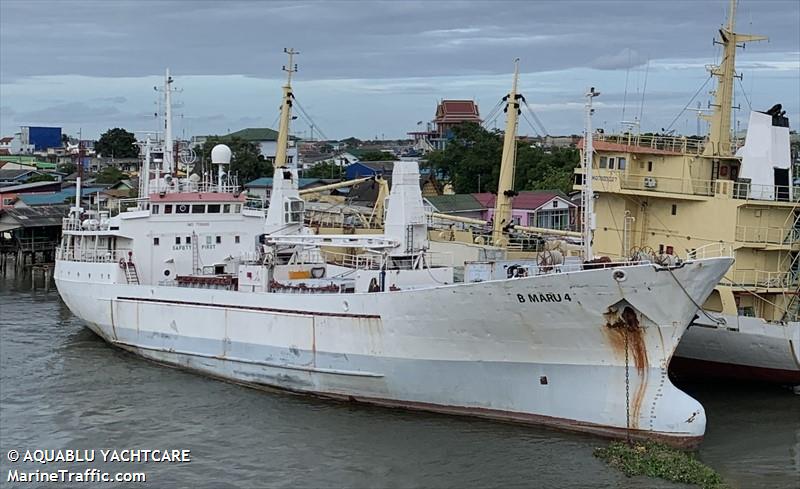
(166, 273)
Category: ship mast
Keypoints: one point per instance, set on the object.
(168, 158)
(286, 112)
(587, 194)
(719, 133)
(505, 186)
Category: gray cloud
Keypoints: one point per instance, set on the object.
(358, 39)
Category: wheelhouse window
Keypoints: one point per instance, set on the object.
(237, 208)
(177, 240)
(198, 209)
(213, 208)
(236, 239)
(167, 208)
(611, 163)
(154, 209)
(226, 208)
(219, 239)
(603, 162)
(155, 241)
(621, 162)
(188, 240)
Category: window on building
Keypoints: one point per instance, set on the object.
(552, 219)
(213, 208)
(167, 208)
(219, 239)
(603, 162)
(621, 162)
(188, 240)
(181, 209)
(236, 239)
(154, 209)
(674, 209)
(649, 166)
(155, 241)
(198, 209)
(177, 240)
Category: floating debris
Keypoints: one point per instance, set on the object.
(658, 460)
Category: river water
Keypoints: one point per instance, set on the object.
(61, 387)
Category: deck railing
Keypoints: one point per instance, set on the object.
(767, 235)
(675, 144)
(93, 256)
(708, 188)
(765, 279)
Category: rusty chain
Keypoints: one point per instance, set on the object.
(627, 391)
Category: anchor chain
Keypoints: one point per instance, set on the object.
(627, 391)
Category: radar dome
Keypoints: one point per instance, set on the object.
(220, 155)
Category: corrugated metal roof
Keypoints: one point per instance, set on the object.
(455, 203)
(55, 198)
(267, 182)
(28, 217)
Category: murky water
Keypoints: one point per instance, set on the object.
(62, 387)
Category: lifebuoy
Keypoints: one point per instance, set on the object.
(122, 263)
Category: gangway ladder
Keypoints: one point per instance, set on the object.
(792, 312)
(195, 254)
(131, 275)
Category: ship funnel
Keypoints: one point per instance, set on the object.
(221, 155)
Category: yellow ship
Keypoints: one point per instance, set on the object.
(664, 197)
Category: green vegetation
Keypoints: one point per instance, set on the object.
(42, 177)
(657, 460)
(67, 168)
(247, 161)
(110, 174)
(472, 162)
(117, 143)
(324, 170)
(377, 156)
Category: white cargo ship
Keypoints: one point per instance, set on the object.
(193, 277)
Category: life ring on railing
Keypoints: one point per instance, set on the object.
(122, 263)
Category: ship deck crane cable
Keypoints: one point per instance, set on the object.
(717, 320)
(688, 103)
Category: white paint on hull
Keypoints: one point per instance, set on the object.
(485, 348)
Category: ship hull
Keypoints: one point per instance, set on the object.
(546, 350)
(745, 348)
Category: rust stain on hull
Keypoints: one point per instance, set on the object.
(622, 327)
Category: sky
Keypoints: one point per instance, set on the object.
(376, 69)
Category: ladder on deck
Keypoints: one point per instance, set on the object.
(130, 273)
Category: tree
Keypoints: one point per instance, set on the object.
(110, 174)
(68, 168)
(324, 170)
(471, 161)
(246, 162)
(117, 143)
(41, 177)
(377, 156)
